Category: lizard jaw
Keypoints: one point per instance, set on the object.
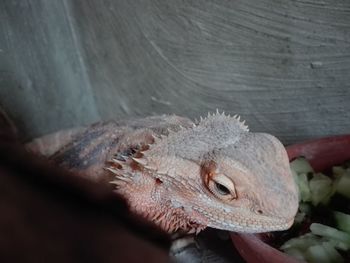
(253, 227)
(141, 193)
(165, 216)
(248, 223)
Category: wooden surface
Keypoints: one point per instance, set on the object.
(283, 65)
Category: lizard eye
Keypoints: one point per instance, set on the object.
(221, 186)
(221, 189)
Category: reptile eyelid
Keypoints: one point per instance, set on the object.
(225, 182)
(222, 179)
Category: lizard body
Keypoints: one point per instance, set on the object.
(186, 176)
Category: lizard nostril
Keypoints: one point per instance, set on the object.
(260, 211)
(158, 181)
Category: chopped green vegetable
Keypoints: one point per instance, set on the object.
(317, 254)
(330, 232)
(342, 221)
(343, 185)
(320, 188)
(304, 189)
(338, 171)
(302, 242)
(301, 165)
(339, 244)
(324, 242)
(296, 253)
(333, 254)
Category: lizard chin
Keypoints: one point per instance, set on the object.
(173, 220)
(168, 218)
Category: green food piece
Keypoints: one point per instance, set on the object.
(338, 244)
(317, 254)
(338, 171)
(304, 189)
(323, 242)
(343, 184)
(323, 252)
(342, 221)
(302, 242)
(333, 254)
(320, 188)
(301, 166)
(330, 232)
(296, 253)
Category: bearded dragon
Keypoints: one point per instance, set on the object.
(185, 175)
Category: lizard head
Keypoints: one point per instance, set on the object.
(215, 174)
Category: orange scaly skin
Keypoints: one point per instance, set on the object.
(187, 176)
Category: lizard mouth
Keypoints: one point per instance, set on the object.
(253, 226)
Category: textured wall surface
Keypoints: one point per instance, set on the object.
(43, 82)
(283, 65)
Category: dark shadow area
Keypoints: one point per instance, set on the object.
(48, 215)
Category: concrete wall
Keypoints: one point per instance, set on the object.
(283, 65)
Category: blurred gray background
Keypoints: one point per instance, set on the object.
(284, 65)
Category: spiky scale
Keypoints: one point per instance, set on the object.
(141, 161)
(111, 169)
